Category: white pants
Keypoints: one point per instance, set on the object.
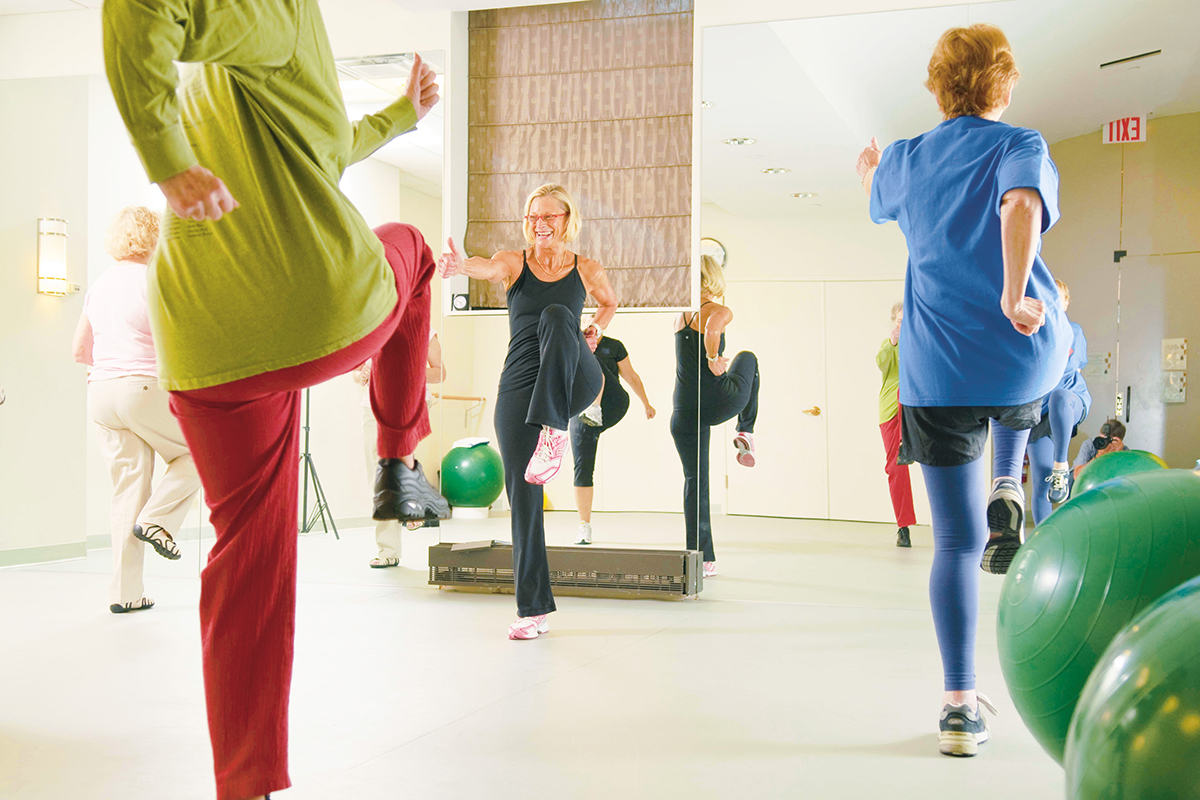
(387, 532)
(133, 422)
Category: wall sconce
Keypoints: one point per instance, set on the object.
(52, 258)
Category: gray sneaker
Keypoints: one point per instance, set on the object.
(1006, 508)
(1060, 485)
(962, 729)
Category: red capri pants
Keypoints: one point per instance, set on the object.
(899, 483)
(244, 437)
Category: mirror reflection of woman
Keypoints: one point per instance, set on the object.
(709, 389)
(131, 411)
(550, 374)
(608, 409)
(1063, 411)
(984, 339)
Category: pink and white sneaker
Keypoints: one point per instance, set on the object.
(528, 627)
(744, 442)
(710, 569)
(547, 457)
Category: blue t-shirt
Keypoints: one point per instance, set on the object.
(1072, 380)
(944, 188)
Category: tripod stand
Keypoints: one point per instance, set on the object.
(321, 504)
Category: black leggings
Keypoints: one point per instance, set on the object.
(569, 379)
(585, 439)
(734, 393)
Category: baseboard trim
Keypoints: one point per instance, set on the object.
(27, 556)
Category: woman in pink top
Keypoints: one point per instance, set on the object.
(133, 420)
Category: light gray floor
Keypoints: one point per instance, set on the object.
(808, 668)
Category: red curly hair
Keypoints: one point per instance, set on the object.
(971, 70)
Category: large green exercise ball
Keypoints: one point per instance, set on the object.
(1136, 732)
(1085, 572)
(472, 474)
(1114, 465)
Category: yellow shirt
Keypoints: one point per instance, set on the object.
(889, 394)
(294, 273)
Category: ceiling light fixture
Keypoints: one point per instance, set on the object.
(775, 170)
(739, 141)
(804, 194)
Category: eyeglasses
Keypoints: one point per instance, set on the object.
(546, 218)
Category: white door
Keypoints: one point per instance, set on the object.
(783, 323)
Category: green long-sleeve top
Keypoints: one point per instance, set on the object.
(294, 273)
(889, 394)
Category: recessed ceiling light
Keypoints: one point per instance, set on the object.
(706, 103)
(804, 194)
(740, 141)
(775, 170)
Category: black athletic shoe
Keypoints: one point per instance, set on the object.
(999, 553)
(961, 730)
(404, 494)
(902, 539)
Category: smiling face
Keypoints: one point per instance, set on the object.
(547, 219)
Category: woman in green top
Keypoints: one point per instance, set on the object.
(266, 280)
(899, 484)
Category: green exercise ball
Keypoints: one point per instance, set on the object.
(1136, 733)
(1085, 572)
(472, 475)
(1113, 465)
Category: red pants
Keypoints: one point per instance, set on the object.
(244, 437)
(899, 484)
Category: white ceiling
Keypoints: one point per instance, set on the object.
(813, 92)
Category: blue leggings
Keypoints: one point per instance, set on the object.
(1066, 411)
(958, 502)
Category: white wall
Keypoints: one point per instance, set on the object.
(43, 158)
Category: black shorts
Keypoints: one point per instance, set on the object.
(950, 436)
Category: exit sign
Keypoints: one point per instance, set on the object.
(1129, 129)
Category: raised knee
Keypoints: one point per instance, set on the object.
(557, 315)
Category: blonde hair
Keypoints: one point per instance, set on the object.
(574, 219)
(971, 70)
(712, 278)
(133, 233)
(1063, 290)
(896, 309)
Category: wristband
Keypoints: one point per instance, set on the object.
(712, 358)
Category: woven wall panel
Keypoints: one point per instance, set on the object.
(596, 96)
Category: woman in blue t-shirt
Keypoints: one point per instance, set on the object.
(984, 334)
(1062, 412)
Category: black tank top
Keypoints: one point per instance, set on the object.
(692, 374)
(528, 297)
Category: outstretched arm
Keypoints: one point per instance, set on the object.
(496, 269)
(630, 376)
(375, 130)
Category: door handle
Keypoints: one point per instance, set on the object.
(815, 411)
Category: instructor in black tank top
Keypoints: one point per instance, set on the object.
(549, 376)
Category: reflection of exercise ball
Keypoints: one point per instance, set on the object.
(1113, 465)
(1081, 577)
(1136, 732)
(472, 474)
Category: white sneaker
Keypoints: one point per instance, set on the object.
(585, 533)
(528, 627)
(547, 457)
(592, 416)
